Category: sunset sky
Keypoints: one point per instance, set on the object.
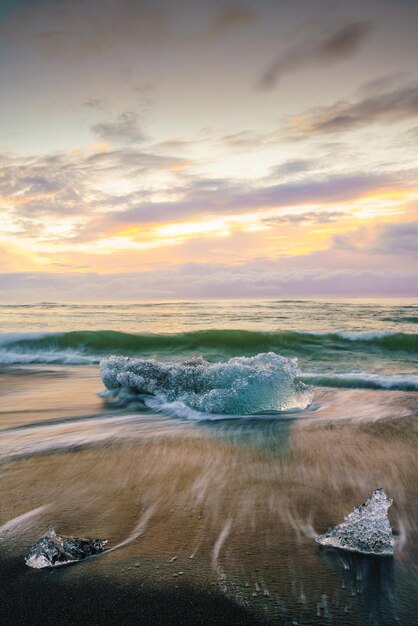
(201, 148)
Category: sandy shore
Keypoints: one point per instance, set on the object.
(214, 521)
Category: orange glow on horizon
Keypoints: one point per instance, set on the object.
(272, 231)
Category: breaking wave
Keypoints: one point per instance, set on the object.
(82, 347)
(399, 382)
(240, 386)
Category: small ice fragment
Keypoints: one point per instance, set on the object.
(53, 549)
(366, 529)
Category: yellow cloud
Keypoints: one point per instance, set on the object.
(291, 230)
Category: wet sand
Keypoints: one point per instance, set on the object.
(216, 520)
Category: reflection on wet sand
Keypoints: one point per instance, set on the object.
(233, 506)
(371, 580)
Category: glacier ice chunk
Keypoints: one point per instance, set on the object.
(242, 385)
(53, 549)
(366, 529)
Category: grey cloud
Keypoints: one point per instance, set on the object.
(412, 133)
(339, 45)
(129, 161)
(59, 185)
(259, 278)
(294, 166)
(230, 17)
(71, 30)
(399, 239)
(319, 217)
(345, 242)
(243, 140)
(126, 128)
(94, 103)
(400, 104)
(39, 186)
(382, 83)
(209, 197)
(174, 145)
(223, 196)
(79, 28)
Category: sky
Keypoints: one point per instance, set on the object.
(175, 149)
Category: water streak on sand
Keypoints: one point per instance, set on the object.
(223, 535)
(138, 529)
(22, 522)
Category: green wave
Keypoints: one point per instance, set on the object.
(402, 320)
(221, 341)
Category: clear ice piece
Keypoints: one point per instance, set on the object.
(366, 529)
(240, 386)
(53, 549)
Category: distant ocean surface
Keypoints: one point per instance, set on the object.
(210, 442)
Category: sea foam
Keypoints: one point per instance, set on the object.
(240, 386)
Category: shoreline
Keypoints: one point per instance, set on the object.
(215, 520)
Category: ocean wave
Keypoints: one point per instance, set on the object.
(363, 380)
(240, 386)
(68, 357)
(402, 320)
(79, 347)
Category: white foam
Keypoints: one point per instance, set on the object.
(63, 357)
(365, 335)
(364, 379)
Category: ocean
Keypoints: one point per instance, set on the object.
(210, 442)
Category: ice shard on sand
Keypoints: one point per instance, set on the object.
(366, 529)
(53, 549)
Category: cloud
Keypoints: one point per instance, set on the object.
(212, 197)
(383, 83)
(339, 45)
(244, 139)
(40, 191)
(295, 166)
(393, 239)
(75, 190)
(229, 18)
(259, 278)
(315, 217)
(393, 106)
(399, 239)
(94, 103)
(125, 128)
(87, 195)
(78, 30)
(75, 29)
